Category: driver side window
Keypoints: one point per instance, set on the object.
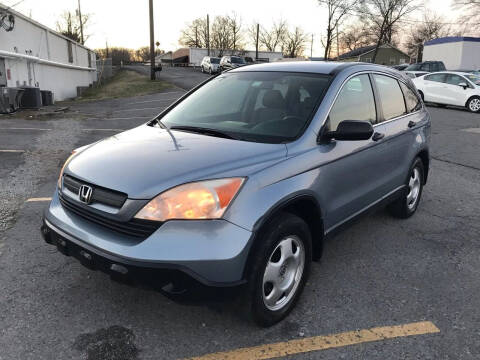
(354, 102)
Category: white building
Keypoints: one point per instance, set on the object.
(33, 55)
(457, 53)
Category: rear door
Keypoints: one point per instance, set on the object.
(434, 85)
(399, 114)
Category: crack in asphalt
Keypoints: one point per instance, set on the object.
(456, 163)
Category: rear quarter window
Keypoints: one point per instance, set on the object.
(411, 100)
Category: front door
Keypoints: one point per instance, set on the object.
(350, 180)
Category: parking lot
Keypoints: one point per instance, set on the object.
(380, 273)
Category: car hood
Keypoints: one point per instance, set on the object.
(145, 161)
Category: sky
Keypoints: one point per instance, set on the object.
(125, 22)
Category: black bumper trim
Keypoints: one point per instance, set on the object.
(112, 264)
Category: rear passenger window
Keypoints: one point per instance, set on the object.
(411, 100)
(391, 97)
(354, 102)
(435, 77)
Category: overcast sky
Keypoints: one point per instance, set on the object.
(125, 22)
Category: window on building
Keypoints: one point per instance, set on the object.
(89, 56)
(354, 102)
(391, 97)
(368, 60)
(393, 61)
(70, 51)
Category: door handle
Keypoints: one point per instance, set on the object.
(378, 136)
(411, 124)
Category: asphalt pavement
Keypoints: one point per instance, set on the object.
(381, 272)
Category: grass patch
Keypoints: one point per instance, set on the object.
(125, 83)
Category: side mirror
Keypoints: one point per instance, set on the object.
(351, 130)
(464, 85)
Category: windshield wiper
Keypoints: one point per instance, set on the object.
(205, 131)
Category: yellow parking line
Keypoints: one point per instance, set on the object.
(39, 199)
(270, 351)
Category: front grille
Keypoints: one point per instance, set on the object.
(99, 195)
(134, 227)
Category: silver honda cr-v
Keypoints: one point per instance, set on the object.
(242, 187)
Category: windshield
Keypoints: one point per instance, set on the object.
(271, 107)
(215, 60)
(238, 60)
(474, 79)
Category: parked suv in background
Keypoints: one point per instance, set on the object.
(450, 88)
(421, 68)
(242, 188)
(210, 64)
(231, 62)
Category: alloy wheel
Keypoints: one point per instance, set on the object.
(474, 105)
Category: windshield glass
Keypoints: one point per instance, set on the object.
(238, 60)
(215, 60)
(271, 107)
(474, 79)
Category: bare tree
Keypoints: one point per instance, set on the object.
(383, 16)
(471, 18)
(275, 36)
(143, 53)
(195, 34)
(433, 26)
(236, 31)
(221, 34)
(69, 25)
(338, 10)
(294, 44)
(355, 36)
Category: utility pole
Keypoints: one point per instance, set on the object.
(208, 35)
(338, 48)
(256, 43)
(152, 42)
(81, 22)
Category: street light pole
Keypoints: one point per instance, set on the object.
(152, 42)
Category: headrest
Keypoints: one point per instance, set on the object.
(273, 99)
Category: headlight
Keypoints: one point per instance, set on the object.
(198, 200)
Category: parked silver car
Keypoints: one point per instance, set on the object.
(242, 188)
(210, 64)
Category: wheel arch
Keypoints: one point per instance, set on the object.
(304, 205)
(425, 157)
(470, 98)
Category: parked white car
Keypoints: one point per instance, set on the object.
(450, 88)
(210, 64)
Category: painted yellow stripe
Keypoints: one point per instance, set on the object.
(316, 343)
(39, 199)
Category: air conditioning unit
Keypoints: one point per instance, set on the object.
(10, 99)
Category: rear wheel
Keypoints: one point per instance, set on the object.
(473, 104)
(280, 267)
(210, 71)
(406, 205)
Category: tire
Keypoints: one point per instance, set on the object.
(286, 235)
(210, 71)
(202, 69)
(473, 104)
(406, 205)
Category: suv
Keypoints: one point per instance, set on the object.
(242, 188)
(210, 64)
(231, 62)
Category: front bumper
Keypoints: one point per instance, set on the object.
(213, 252)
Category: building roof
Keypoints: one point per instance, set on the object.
(357, 52)
(451, 39)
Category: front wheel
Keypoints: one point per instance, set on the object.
(279, 269)
(474, 104)
(406, 205)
